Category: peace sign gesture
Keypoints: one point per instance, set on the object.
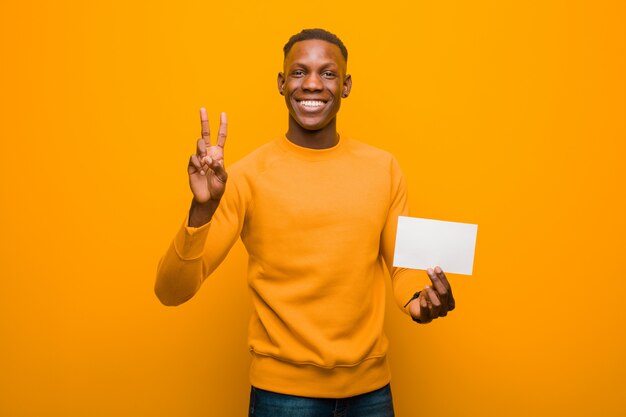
(207, 176)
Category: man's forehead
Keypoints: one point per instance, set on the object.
(314, 50)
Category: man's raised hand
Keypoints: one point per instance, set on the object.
(207, 176)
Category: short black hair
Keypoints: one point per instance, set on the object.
(321, 34)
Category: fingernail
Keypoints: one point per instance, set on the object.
(430, 271)
(438, 270)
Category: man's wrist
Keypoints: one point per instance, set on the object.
(201, 213)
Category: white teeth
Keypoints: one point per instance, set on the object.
(312, 103)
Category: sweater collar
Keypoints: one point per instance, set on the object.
(309, 153)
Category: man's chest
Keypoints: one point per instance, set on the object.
(317, 197)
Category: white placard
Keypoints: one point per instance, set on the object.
(426, 243)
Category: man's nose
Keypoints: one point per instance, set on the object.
(312, 82)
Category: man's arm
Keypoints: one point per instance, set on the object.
(406, 283)
(214, 221)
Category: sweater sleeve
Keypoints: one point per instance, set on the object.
(196, 252)
(405, 282)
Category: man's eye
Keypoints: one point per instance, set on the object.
(328, 74)
(298, 73)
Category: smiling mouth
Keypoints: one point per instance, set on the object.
(311, 104)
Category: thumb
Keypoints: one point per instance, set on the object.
(414, 309)
(419, 308)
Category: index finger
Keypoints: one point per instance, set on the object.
(206, 132)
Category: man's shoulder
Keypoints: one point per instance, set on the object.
(258, 159)
(360, 146)
(373, 153)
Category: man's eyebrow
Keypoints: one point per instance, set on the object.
(329, 64)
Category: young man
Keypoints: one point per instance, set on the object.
(317, 213)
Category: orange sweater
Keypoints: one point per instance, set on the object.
(318, 226)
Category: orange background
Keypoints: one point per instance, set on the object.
(506, 114)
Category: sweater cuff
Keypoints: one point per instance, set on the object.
(189, 241)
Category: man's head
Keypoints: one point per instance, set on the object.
(315, 78)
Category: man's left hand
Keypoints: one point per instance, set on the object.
(435, 300)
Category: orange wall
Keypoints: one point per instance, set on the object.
(512, 116)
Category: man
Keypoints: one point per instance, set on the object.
(317, 213)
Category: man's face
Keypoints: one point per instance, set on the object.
(314, 82)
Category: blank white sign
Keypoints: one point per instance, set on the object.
(426, 243)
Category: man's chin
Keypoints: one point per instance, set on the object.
(312, 125)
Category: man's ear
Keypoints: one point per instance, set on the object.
(281, 83)
(347, 86)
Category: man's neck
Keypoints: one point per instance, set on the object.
(324, 138)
